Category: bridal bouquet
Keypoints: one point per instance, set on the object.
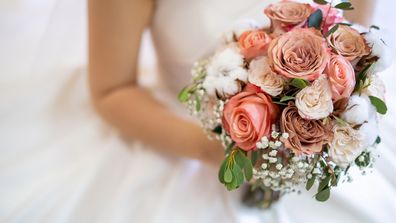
(295, 104)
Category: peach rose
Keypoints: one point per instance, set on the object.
(300, 53)
(254, 43)
(287, 15)
(248, 116)
(305, 136)
(348, 43)
(341, 77)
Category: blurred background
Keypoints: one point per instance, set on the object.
(43, 45)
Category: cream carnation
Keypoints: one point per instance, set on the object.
(262, 75)
(345, 146)
(225, 73)
(314, 102)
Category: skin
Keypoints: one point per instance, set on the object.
(115, 30)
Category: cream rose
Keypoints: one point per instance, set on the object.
(341, 76)
(261, 75)
(300, 53)
(345, 146)
(348, 43)
(314, 102)
(286, 15)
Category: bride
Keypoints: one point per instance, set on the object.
(161, 167)
(167, 185)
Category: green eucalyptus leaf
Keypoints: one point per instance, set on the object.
(218, 130)
(344, 6)
(374, 27)
(324, 183)
(184, 94)
(315, 20)
(332, 30)
(310, 183)
(255, 157)
(378, 140)
(198, 103)
(228, 176)
(286, 98)
(248, 168)
(379, 105)
(323, 195)
(298, 83)
(237, 172)
(239, 159)
(222, 171)
(320, 2)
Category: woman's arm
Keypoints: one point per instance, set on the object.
(115, 30)
(363, 12)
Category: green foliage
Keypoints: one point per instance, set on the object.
(184, 94)
(374, 27)
(378, 140)
(344, 6)
(315, 20)
(235, 169)
(320, 2)
(310, 183)
(324, 189)
(332, 30)
(218, 130)
(379, 105)
(323, 195)
(299, 83)
(366, 159)
(286, 98)
(197, 103)
(361, 78)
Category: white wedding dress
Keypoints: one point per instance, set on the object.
(60, 163)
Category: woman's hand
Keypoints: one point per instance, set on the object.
(115, 30)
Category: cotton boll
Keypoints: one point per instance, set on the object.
(369, 131)
(379, 49)
(225, 72)
(376, 87)
(357, 111)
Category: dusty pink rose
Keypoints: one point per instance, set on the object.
(330, 16)
(305, 136)
(254, 43)
(348, 42)
(248, 116)
(287, 15)
(341, 77)
(300, 53)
